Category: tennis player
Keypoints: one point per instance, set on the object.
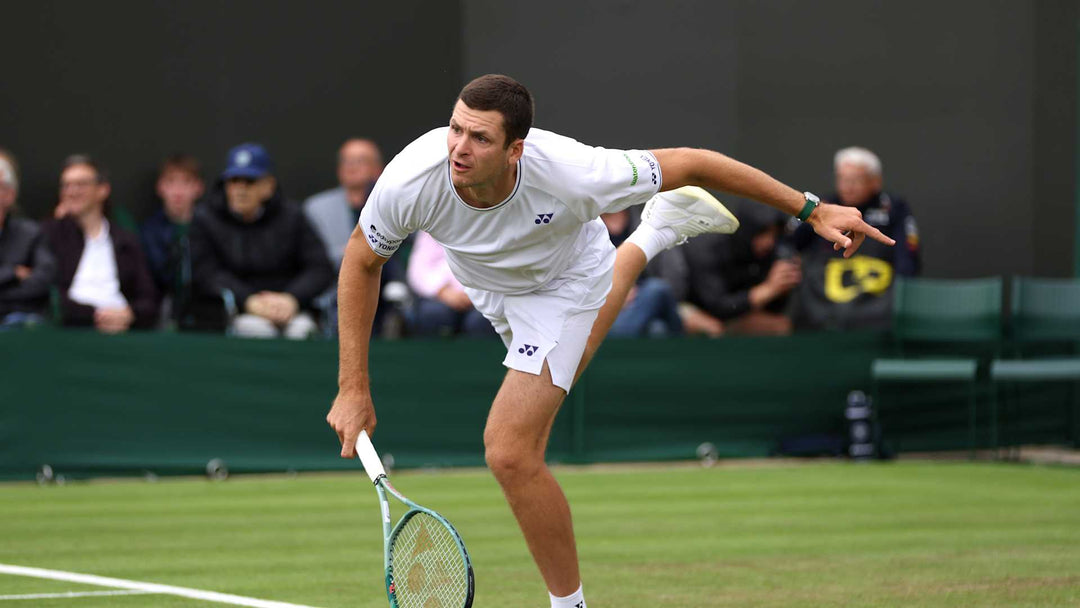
(516, 209)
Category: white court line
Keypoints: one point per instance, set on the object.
(67, 594)
(119, 583)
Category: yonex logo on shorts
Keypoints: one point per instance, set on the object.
(528, 350)
(543, 218)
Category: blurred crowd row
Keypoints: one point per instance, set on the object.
(237, 256)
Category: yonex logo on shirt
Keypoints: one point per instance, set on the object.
(528, 350)
(543, 218)
(652, 166)
(380, 242)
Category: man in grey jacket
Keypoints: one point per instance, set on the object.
(334, 213)
(27, 267)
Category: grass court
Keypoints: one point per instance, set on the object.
(771, 535)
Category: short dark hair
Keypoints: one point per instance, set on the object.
(506, 95)
(184, 163)
(89, 161)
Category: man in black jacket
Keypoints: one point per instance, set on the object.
(257, 251)
(856, 292)
(27, 267)
(740, 282)
(102, 275)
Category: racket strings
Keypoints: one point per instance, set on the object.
(429, 571)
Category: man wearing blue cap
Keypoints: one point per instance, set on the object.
(253, 248)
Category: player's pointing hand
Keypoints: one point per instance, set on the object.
(348, 416)
(844, 228)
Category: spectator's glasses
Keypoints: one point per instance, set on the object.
(78, 184)
(247, 181)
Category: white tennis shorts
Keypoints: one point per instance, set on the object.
(553, 323)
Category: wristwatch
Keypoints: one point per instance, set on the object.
(812, 201)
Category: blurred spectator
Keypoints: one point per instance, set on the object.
(27, 267)
(116, 214)
(251, 246)
(740, 282)
(650, 308)
(441, 307)
(102, 275)
(839, 293)
(164, 234)
(334, 214)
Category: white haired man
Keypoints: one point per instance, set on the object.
(856, 292)
(27, 266)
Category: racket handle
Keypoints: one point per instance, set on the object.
(369, 457)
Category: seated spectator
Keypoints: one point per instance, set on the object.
(117, 215)
(164, 234)
(839, 293)
(102, 275)
(738, 282)
(252, 246)
(334, 213)
(27, 267)
(650, 308)
(441, 307)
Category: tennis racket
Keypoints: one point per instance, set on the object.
(426, 563)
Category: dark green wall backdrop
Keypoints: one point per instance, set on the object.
(971, 104)
(130, 81)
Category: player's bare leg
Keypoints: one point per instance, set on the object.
(520, 420)
(630, 262)
(669, 219)
(515, 440)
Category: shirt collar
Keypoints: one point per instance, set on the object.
(102, 236)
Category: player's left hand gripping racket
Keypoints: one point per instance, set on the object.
(426, 563)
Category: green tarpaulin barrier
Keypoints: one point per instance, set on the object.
(89, 404)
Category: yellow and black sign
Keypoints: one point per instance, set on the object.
(847, 279)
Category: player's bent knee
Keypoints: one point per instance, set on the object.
(511, 463)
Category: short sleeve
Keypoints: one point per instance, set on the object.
(594, 180)
(624, 178)
(384, 220)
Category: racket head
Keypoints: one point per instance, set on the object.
(427, 565)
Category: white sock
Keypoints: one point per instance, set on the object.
(653, 241)
(574, 600)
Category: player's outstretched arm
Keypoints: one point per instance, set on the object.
(840, 225)
(358, 296)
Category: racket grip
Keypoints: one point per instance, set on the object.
(369, 457)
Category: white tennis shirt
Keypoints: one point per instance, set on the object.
(528, 239)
